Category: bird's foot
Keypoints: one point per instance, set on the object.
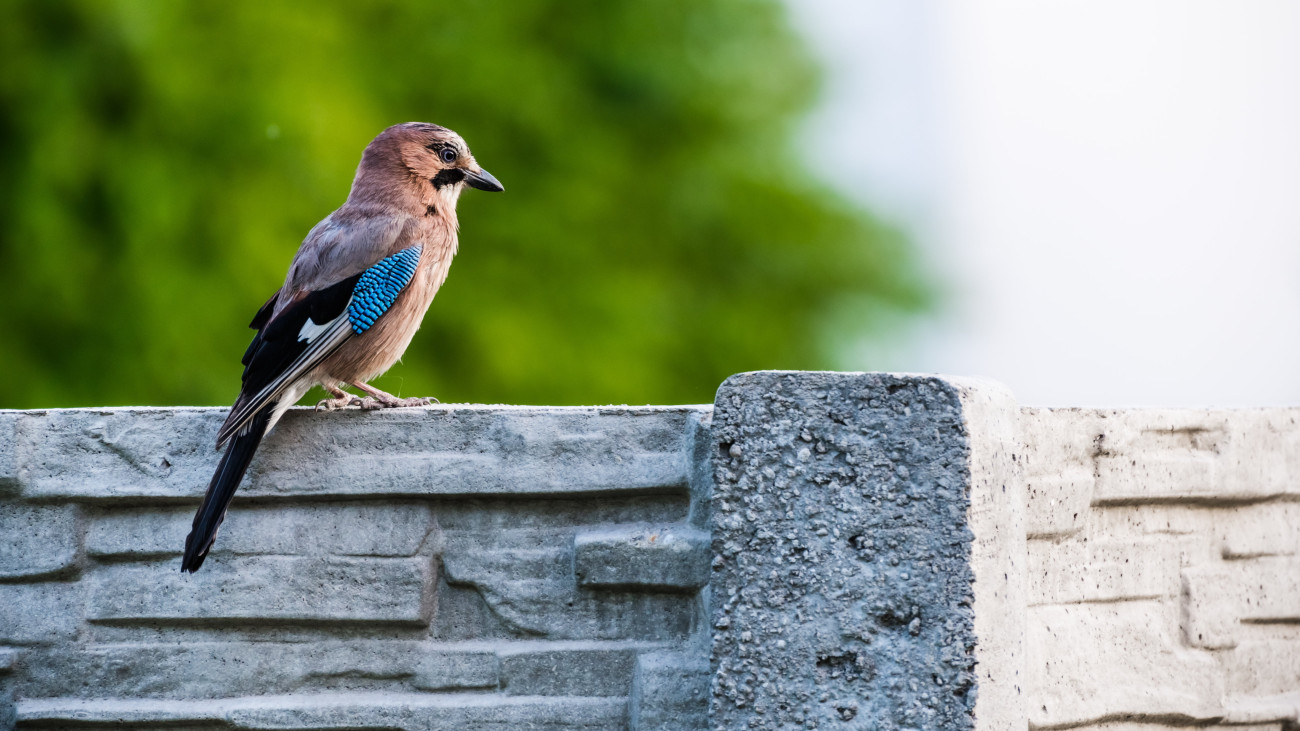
(386, 401)
(334, 404)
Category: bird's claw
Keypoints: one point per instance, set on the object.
(392, 402)
(333, 404)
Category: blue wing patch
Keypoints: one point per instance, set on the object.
(379, 286)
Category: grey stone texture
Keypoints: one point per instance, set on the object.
(816, 550)
(648, 556)
(842, 583)
(411, 569)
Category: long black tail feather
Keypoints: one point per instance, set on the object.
(220, 491)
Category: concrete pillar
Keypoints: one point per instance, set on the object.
(868, 543)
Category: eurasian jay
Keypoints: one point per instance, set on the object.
(354, 296)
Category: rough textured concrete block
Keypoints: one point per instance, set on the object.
(9, 462)
(525, 576)
(452, 670)
(121, 453)
(700, 477)
(657, 556)
(670, 692)
(439, 450)
(558, 610)
(1058, 505)
(351, 710)
(843, 580)
(1218, 598)
(1263, 668)
(1156, 477)
(50, 611)
(1058, 466)
(479, 450)
(215, 668)
(1093, 571)
(1266, 529)
(37, 540)
(1091, 662)
(568, 669)
(265, 588)
(1163, 455)
(340, 529)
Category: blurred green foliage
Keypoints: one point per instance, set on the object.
(660, 228)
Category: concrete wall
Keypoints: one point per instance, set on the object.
(459, 567)
(818, 550)
(1164, 568)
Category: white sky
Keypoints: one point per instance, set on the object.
(1111, 190)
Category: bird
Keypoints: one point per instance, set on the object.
(356, 292)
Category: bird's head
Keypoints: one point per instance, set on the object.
(406, 158)
(440, 156)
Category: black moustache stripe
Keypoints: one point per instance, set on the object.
(450, 176)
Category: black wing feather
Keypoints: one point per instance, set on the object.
(276, 345)
(264, 313)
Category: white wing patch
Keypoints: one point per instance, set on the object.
(310, 330)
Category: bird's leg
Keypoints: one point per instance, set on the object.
(383, 400)
(341, 399)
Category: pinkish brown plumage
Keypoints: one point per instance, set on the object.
(354, 296)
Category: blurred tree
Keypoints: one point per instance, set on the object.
(660, 229)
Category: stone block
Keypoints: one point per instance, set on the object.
(542, 562)
(439, 450)
(557, 610)
(37, 540)
(352, 710)
(1150, 477)
(9, 460)
(480, 451)
(670, 692)
(1263, 667)
(845, 556)
(49, 611)
(1057, 440)
(1275, 713)
(172, 669)
(1101, 571)
(700, 478)
(1091, 662)
(121, 453)
(582, 669)
(1263, 458)
(670, 557)
(340, 529)
(1265, 529)
(1218, 598)
(533, 520)
(456, 670)
(1198, 455)
(1180, 520)
(263, 588)
(1058, 505)
(1160, 726)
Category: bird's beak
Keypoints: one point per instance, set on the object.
(483, 180)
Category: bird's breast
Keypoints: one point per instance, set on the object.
(374, 351)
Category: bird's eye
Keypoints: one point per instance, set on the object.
(448, 155)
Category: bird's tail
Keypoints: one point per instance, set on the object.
(220, 491)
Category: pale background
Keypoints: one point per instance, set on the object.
(1109, 190)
